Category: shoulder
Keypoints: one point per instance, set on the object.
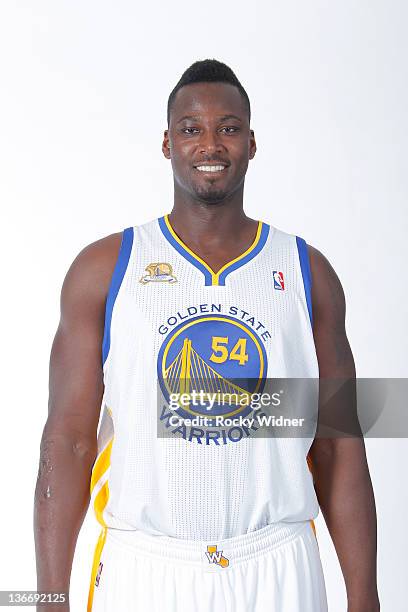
(90, 273)
(327, 292)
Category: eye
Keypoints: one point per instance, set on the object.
(229, 129)
(190, 131)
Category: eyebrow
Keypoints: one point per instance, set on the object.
(225, 117)
(195, 118)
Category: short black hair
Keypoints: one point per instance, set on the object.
(208, 71)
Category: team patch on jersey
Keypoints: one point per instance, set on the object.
(160, 272)
(278, 280)
(215, 556)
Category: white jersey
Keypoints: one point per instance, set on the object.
(169, 321)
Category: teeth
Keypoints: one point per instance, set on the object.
(210, 168)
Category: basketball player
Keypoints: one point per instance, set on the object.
(202, 519)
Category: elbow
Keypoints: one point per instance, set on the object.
(59, 444)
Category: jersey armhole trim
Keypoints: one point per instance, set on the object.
(306, 274)
(115, 284)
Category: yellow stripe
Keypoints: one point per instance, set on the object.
(101, 499)
(214, 275)
(310, 466)
(179, 240)
(100, 503)
(245, 253)
(101, 464)
(97, 556)
(313, 526)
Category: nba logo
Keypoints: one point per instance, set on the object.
(278, 282)
(98, 575)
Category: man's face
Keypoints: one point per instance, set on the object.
(209, 141)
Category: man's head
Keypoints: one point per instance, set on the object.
(209, 140)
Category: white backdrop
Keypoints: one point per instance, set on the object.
(83, 92)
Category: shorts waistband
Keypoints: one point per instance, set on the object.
(223, 552)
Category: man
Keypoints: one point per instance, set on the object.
(204, 518)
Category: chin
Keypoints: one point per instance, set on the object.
(212, 196)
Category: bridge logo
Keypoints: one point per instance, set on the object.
(216, 356)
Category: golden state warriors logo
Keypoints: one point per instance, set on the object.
(158, 273)
(217, 357)
(215, 556)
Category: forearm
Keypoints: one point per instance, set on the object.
(345, 495)
(61, 501)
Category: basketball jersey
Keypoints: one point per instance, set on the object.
(169, 320)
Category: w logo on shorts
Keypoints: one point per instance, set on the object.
(215, 556)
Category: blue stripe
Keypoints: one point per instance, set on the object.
(261, 243)
(117, 278)
(306, 274)
(183, 252)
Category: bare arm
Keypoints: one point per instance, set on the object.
(339, 464)
(68, 445)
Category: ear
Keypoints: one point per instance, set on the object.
(252, 145)
(166, 145)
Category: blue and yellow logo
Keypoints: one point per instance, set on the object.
(216, 355)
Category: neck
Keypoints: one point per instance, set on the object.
(202, 222)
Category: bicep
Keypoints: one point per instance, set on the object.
(337, 388)
(333, 350)
(75, 373)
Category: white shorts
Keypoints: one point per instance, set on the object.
(274, 569)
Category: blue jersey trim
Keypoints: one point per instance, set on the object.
(179, 247)
(212, 278)
(306, 274)
(117, 278)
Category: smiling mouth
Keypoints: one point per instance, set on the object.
(211, 168)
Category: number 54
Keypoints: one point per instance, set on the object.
(220, 352)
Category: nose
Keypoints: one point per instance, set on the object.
(210, 143)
